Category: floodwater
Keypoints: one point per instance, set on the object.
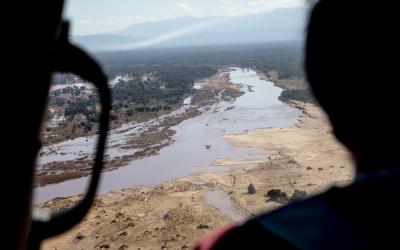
(197, 142)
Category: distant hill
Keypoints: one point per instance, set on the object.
(279, 25)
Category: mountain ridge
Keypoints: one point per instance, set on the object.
(286, 24)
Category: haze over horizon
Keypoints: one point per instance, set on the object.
(279, 25)
(102, 16)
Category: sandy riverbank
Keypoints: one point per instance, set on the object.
(174, 215)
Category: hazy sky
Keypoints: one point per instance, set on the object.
(96, 16)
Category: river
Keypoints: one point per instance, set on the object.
(197, 143)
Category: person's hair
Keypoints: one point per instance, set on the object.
(351, 66)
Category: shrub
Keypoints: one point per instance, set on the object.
(277, 195)
(251, 189)
(298, 195)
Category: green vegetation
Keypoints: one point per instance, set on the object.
(163, 88)
(303, 95)
(159, 80)
(286, 58)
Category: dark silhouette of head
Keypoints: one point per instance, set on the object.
(351, 55)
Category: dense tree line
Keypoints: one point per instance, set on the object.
(304, 95)
(286, 58)
(167, 87)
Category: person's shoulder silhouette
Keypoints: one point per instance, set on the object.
(351, 50)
